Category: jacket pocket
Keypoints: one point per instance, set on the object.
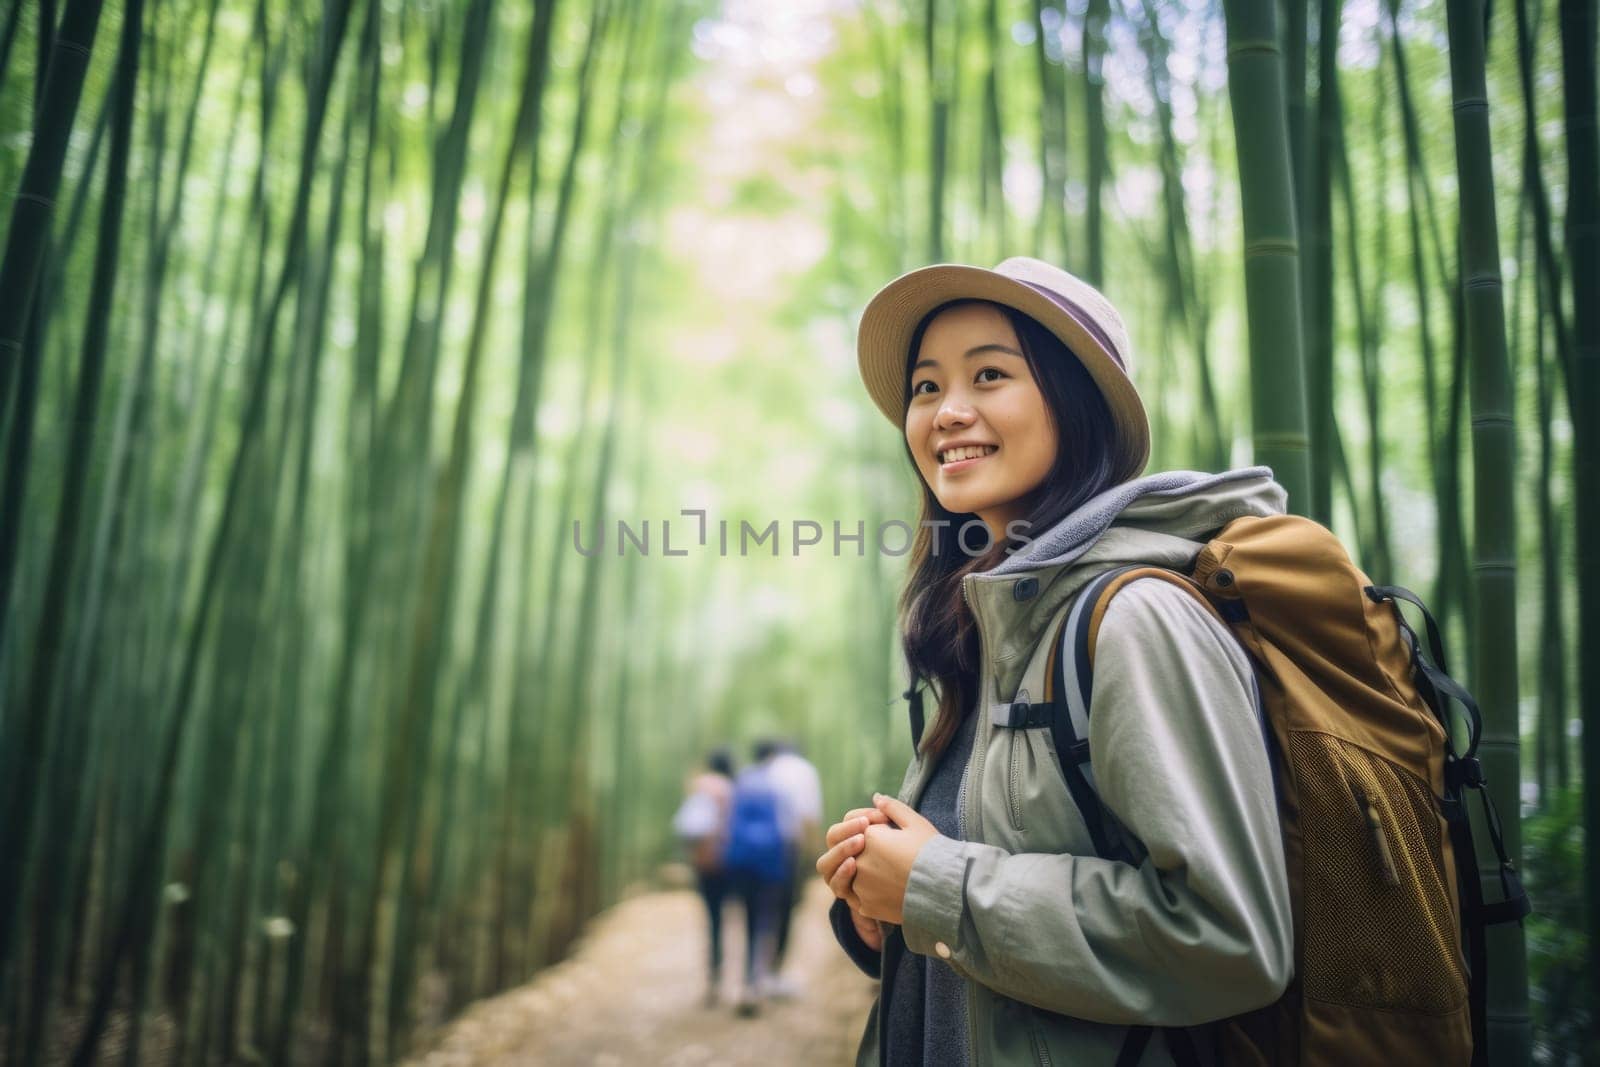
(1026, 800)
(1018, 744)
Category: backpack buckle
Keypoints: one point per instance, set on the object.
(1467, 771)
(1021, 715)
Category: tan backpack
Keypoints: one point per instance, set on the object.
(1382, 870)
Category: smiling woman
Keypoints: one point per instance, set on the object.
(986, 374)
(1002, 926)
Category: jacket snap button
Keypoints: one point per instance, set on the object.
(1026, 589)
(942, 949)
(1223, 578)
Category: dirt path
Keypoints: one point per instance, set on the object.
(632, 991)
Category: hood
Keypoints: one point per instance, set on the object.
(1162, 520)
(1182, 505)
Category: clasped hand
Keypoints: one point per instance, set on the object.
(868, 862)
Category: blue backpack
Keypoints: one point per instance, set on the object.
(756, 844)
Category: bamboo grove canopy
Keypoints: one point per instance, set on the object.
(429, 425)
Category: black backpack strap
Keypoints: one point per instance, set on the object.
(1477, 915)
(913, 697)
(1473, 939)
(1181, 1047)
(1073, 682)
(1133, 1046)
(1067, 716)
(1380, 593)
(1463, 771)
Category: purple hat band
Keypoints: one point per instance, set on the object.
(1082, 318)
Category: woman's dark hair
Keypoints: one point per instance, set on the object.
(720, 761)
(939, 636)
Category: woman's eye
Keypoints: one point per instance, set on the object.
(998, 374)
(917, 390)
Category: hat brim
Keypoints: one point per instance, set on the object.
(884, 340)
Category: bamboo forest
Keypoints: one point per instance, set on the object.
(431, 426)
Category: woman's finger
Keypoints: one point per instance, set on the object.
(854, 822)
(869, 930)
(871, 814)
(900, 813)
(845, 828)
(841, 881)
(841, 830)
(829, 861)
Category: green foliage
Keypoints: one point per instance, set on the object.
(1564, 991)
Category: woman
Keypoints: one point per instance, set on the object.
(977, 895)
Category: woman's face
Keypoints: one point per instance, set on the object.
(978, 426)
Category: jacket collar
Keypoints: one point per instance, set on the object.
(1163, 520)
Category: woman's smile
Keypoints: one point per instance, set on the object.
(961, 457)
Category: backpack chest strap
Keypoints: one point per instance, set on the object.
(1068, 688)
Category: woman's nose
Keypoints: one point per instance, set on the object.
(952, 413)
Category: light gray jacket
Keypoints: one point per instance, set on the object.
(1063, 950)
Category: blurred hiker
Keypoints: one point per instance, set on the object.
(701, 823)
(759, 864)
(1088, 862)
(801, 791)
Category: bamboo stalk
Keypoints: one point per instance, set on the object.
(1376, 557)
(27, 240)
(8, 37)
(1094, 50)
(1550, 757)
(63, 61)
(938, 79)
(1271, 245)
(1494, 541)
(50, 636)
(1321, 310)
(991, 186)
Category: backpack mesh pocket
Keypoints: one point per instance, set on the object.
(1379, 929)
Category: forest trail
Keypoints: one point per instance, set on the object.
(631, 993)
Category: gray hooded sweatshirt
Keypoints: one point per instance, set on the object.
(1037, 950)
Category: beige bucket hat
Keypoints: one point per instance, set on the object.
(1062, 303)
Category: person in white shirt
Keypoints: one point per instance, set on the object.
(701, 823)
(801, 789)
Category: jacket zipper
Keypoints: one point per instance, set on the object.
(1041, 1054)
(969, 799)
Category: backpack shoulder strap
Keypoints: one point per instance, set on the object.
(1070, 684)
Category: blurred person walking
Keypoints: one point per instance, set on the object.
(701, 823)
(759, 863)
(801, 790)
